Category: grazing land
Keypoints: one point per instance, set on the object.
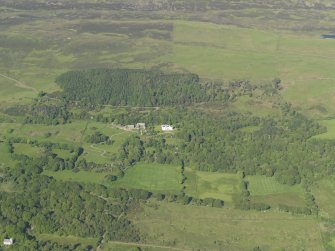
(201, 227)
(268, 190)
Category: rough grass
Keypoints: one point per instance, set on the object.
(81, 176)
(26, 149)
(302, 60)
(73, 134)
(212, 185)
(204, 228)
(68, 240)
(324, 192)
(268, 190)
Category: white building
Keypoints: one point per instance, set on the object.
(140, 126)
(167, 128)
(8, 242)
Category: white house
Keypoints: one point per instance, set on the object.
(8, 242)
(167, 128)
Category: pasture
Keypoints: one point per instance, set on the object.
(268, 190)
(212, 185)
(152, 177)
(198, 227)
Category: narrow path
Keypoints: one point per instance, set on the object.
(19, 83)
(102, 152)
(147, 245)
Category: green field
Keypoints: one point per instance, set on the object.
(192, 228)
(152, 177)
(268, 190)
(324, 192)
(212, 185)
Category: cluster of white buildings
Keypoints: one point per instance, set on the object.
(142, 126)
(139, 126)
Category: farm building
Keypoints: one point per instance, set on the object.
(140, 126)
(130, 127)
(167, 128)
(8, 242)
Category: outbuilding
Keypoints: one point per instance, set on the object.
(8, 242)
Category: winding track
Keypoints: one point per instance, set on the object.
(19, 83)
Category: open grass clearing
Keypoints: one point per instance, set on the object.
(196, 227)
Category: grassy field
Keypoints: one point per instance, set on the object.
(330, 125)
(152, 177)
(268, 190)
(192, 227)
(212, 185)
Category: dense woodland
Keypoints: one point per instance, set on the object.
(124, 87)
